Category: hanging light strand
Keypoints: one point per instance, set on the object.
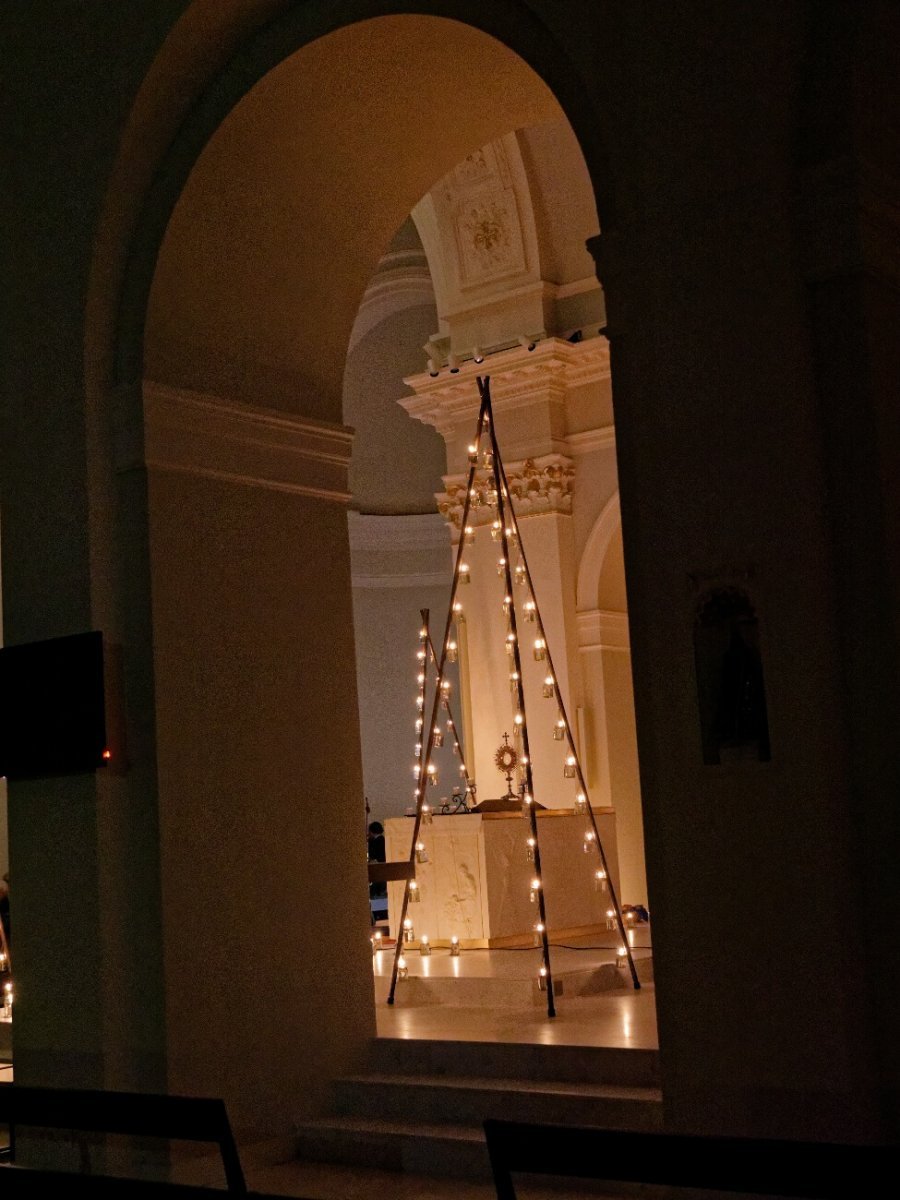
(483, 425)
(507, 528)
(454, 729)
(500, 472)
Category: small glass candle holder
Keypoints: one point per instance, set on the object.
(511, 644)
(548, 687)
(581, 803)
(402, 968)
(424, 946)
(538, 928)
(426, 814)
(559, 730)
(501, 566)
(376, 942)
(473, 454)
(540, 649)
(470, 534)
(621, 957)
(452, 651)
(569, 770)
(542, 979)
(590, 841)
(529, 610)
(530, 844)
(415, 896)
(600, 880)
(520, 573)
(496, 530)
(464, 573)
(438, 737)
(408, 929)
(454, 947)
(421, 852)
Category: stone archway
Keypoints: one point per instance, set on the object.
(256, 240)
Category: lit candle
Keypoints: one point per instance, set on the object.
(501, 566)
(470, 534)
(421, 852)
(530, 844)
(402, 968)
(510, 644)
(376, 942)
(530, 610)
(473, 454)
(568, 769)
(542, 979)
(463, 572)
(454, 947)
(424, 946)
(495, 531)
(600, 880)
(540, 649)
(407, 929)
(589, 839)
(548, 687)
(581, 803)
(452, 651)
(520, 573)
(414, 896)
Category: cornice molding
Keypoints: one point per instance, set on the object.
(392, 291)
(537, 486)
(518, 377)
(199, 434)
(378, 533)
(419, 580)
(602, 629)
(591, 439)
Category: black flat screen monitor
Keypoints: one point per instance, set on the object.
(52, 707)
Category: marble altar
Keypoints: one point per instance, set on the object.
(475, 882)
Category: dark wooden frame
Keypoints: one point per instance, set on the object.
(135, 1114)
(760, 1167)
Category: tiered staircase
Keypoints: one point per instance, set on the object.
(419, 1106)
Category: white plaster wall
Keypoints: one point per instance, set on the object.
(400, 565)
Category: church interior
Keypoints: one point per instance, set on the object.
(452, 414)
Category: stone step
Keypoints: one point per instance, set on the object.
(457, 1151)
(434, 1100)
(534, 1062)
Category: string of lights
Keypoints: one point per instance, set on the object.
(520, 607)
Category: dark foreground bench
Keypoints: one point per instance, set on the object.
(134, 1114)
(813, 1170)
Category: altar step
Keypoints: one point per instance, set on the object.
(419, 1107)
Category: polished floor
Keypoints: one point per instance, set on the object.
(625, 1019)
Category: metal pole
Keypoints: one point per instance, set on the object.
(429, 744)
(569, 738)
(500, 485)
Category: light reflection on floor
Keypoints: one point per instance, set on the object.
(619, 1018)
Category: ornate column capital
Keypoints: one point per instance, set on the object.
(536, 485)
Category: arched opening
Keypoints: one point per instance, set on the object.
(283, 215)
